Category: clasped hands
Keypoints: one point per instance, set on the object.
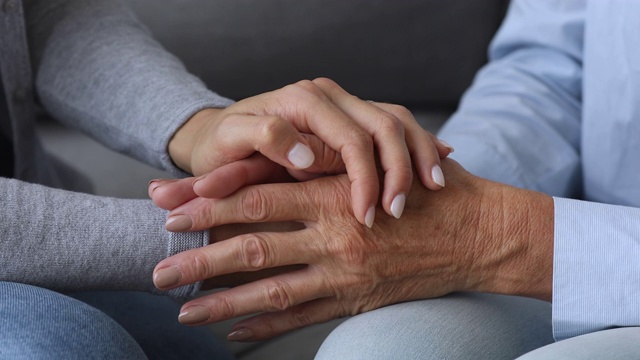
(288, 241)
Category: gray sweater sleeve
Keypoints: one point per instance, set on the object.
(70, 241)
(99, 70)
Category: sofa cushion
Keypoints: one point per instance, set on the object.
(414, 52)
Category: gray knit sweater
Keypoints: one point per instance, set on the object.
(97, 69)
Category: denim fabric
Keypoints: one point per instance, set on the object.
(614, 344)
(458, 326)
(42, 324)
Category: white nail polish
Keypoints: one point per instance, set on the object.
(446, 144)
(369, 217)
(397, 205)
(301, 156)
(437, 175)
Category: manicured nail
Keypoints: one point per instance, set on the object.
(397, 205)
(301, 156)
(193, 184)
(153, 185)
(446, 144)
(437, 175)
(167, 277)
(241, 334)
(178, 223)
(370, 216)
(194, 315)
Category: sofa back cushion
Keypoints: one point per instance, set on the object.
(413, 52)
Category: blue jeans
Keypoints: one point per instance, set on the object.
(613, 344)
(470, 326)
(458, 326)
(36, 323)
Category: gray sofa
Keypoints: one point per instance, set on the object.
(419, 53)
(415, 52)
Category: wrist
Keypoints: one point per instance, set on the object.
(182, 143)
(515, 251)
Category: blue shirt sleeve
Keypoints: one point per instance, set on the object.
(520, 123)
(596, 274)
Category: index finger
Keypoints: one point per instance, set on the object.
(300, 202)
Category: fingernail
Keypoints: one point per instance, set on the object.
(167, 277)
(446, 144)
(437, 175)
(301, 156)
(198, 179)
(397, 205)
(153, 185)
(370, 216)
(194, 315)
(178, 223)
(241, 334)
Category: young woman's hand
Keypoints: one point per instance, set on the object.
(311, 128)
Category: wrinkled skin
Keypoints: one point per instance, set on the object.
(473, 235)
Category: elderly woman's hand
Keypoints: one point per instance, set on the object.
(280, 125)
(474, 235)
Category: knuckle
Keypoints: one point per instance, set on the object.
(354, 254)
(255, 252)
(331, 160)
(334, 198)
(331, 90)
(271, 128)
(255, 206)
(325, 82)
(391, 124)
(201, 267)
(290, 90)
(204, 213)
(277, 296)
(400, 111)
(304, 87)
(300, 317)
(270, 327)
(360, 139)
(224, 308)
(404, 172)
(306, 84)
(304, 92)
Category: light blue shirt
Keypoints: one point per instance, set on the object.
(557, 110)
